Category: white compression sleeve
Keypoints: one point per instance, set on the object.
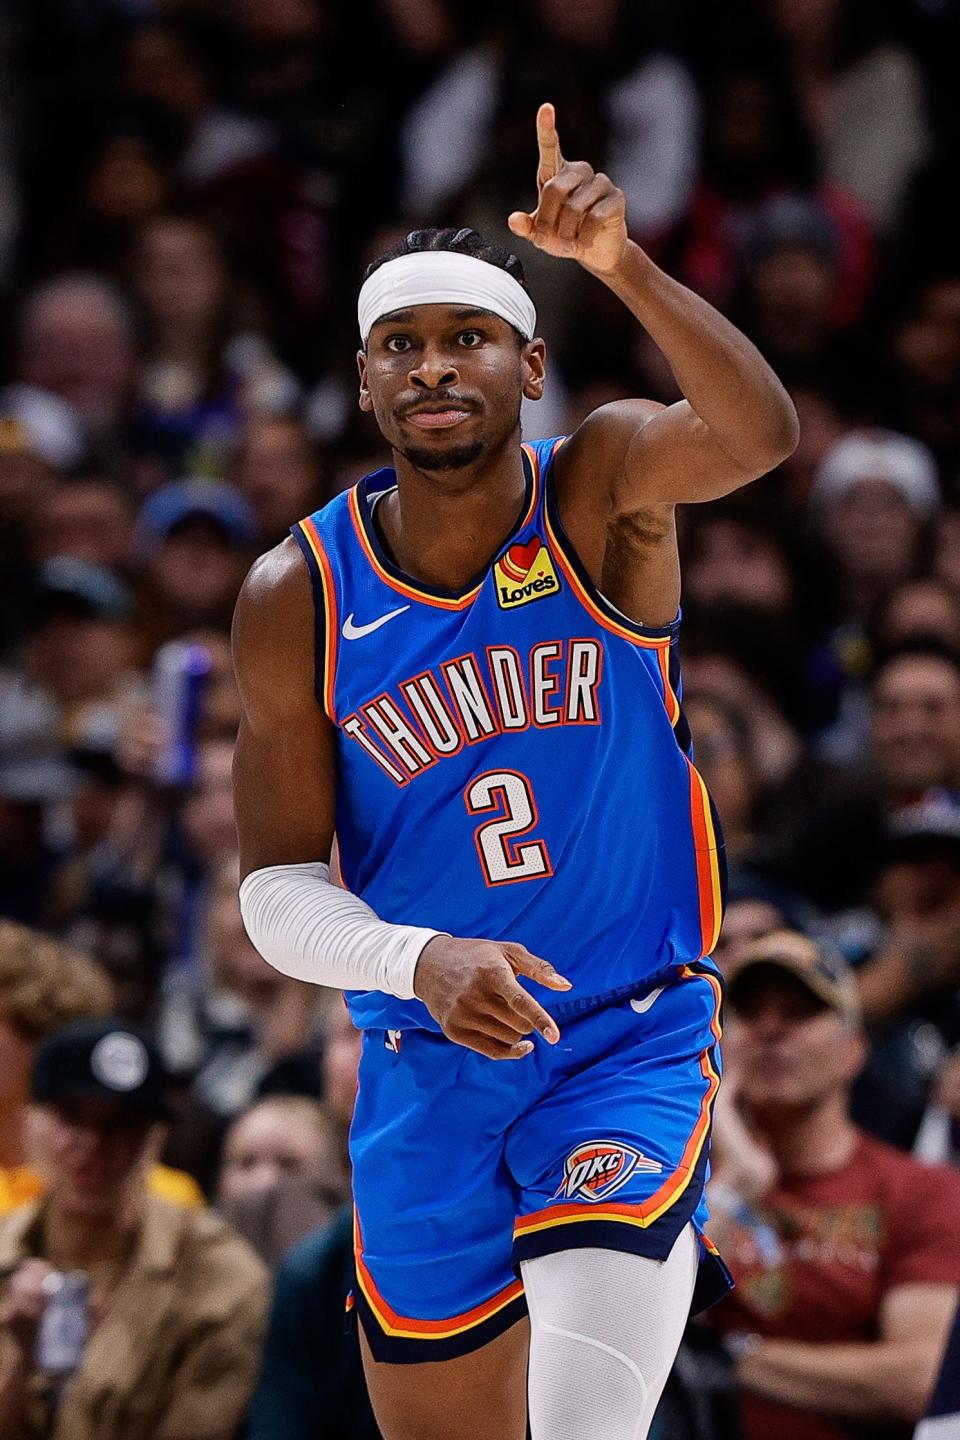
(311, 929)
(605, 1328)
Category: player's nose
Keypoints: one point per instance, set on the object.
(434, 370)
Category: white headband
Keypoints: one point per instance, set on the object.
(442, 277)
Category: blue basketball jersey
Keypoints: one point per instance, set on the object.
(512, 760)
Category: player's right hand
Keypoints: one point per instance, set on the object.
(470, 989)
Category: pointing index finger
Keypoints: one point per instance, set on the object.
(548, 143)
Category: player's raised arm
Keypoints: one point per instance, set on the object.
(736, 421)
(285, 802)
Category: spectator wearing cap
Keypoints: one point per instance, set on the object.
(873, 504)
(67, 684)
(77, 653)
(195, 539)
(45, 985)
(846, 1252)
(176, 1300)
(873, 496)
(790, 283)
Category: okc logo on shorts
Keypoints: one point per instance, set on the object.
(525, 573)
(599, 1167)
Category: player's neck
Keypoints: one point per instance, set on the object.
(443, 528)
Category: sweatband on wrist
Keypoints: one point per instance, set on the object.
(310, 929)
(444, 277)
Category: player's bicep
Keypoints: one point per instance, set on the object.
(284, 762)
(673, 458)
(633, 455)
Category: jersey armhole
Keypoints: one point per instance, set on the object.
(593, 601)
(324, 613)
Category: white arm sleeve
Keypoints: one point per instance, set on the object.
(310, 929)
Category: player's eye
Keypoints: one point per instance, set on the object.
(397, 344)
(470, 339)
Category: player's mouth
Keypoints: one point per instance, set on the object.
(437, 419)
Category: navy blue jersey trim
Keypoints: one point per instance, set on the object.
(713, 1283)
(646, 632)
(402, 1350)
(319, 613)
(382, 480)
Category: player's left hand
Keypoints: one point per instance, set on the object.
(580, 215)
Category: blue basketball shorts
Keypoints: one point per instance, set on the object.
(465, 1166)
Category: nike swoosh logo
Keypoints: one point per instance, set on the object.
(357, 632)
(643, 1005)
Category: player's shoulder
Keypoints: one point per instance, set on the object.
(276, 578)
(274, 610)
(596, 452)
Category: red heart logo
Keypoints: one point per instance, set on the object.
(523, 556)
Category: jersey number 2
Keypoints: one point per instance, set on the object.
(503, 858)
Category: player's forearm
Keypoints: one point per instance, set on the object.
(721, 373)
(310, 929)
(887, 1381)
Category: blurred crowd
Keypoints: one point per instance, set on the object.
(189, 193)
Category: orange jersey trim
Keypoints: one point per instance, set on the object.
(409, 588)
(589, 604)
(708, 868)
(402, 1325)
(669, 694)
(673, 1187)
(330, 614)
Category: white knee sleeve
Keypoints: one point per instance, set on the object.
(604, 1331)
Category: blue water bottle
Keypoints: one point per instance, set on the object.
(180, 674)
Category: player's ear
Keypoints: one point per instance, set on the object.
(365, 402)
(533, 362)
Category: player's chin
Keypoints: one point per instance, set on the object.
(456, 455)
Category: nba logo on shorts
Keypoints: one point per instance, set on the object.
(599, 1167)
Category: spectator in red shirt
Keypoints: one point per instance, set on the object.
(846, 1252)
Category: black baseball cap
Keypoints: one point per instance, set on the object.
(102, 1057)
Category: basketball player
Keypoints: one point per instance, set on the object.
(448, 668)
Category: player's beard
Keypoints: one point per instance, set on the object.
(458, 457)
